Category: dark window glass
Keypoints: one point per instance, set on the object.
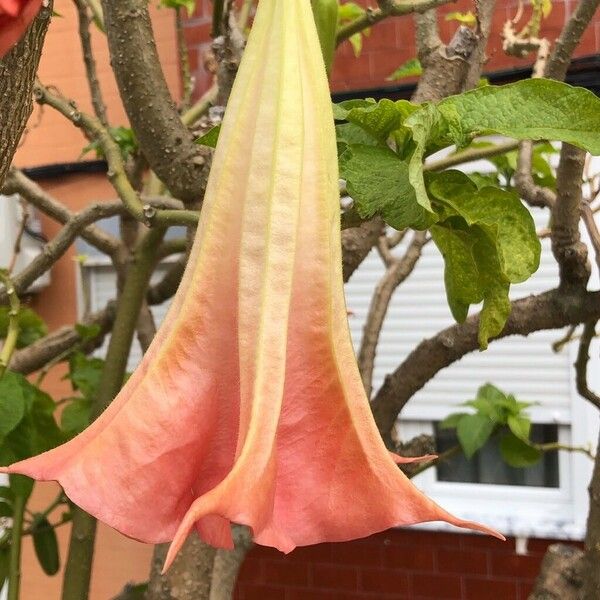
(488, 467)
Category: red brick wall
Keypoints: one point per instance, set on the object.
(392, 43)
(396, 565)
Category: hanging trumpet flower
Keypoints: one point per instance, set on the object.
(15, 17)
(248, 407)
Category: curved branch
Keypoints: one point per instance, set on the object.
(357, 242)
(570, 252)
(54, 249)
(533, 194)
(398, 271)
(552, 310)
(387, 8)
(90, 62)
(581, 364)
(165, 141)
(569, 39)
(18, 183)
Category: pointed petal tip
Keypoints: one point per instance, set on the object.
(407, 460)
(482, 529)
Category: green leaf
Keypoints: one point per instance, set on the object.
(520, 426)
(488, 240)
(488, 408)
(349, 11)
(12, 403)
(491, 393)
(424, 124)
(411, 68)
(189, 5)
(37, 431)
(532, 109)
(5, 509)
(325, 13)
(46, 545)
(467, 18)
(461, 275)
(85, 373)
(473, 432)
(31, 326)
(378, 119)
(518, 453)
(210, 138)
(451, 421)
(6, 493)
(76, 416)
(125, 139)
(341, 109)
(348, 134)
(21, 485)
(87, 332)
(377, 180)
(4, 564)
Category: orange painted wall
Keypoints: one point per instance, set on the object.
(51, 139)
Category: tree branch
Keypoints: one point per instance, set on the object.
(164, 140)
(90, 62)
(18, 183)
(357, 242)
(398, 270)
(56, 248)
(591, 573)
(445, 67)
(561, 574)
(581, 364)
(552, 310)
(570, 252)
(569, 39)
(116, 169)
(387, 8)
(227, 564)
(533, 194)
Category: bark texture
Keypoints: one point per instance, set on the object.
(560, 575)
(228, 563)
(165, 141)
(17, 74)
(591, 564)
(357, 242)
(190, 576)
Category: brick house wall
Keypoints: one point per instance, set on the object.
(393, 43)
(403, 564)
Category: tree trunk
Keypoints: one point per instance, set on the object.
(591, 585)
(190, 576)
(228, 563)
(17, 74)
(560, 576)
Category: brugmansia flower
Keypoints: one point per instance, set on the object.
(15, 17)
(249, 407)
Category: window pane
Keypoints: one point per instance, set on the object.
(488, 467)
